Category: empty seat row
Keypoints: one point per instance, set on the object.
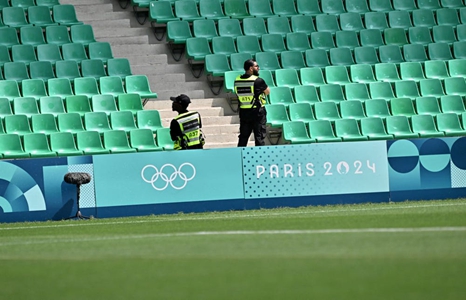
(38, 15)
(88, 86)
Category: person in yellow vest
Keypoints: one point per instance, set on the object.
(251, 91)
(185, 129)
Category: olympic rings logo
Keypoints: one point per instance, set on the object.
(160, 175)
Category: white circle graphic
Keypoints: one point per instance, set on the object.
(168, 173)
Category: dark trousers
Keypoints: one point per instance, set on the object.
(252, 120)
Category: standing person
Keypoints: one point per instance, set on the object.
(185, 129)
(251, 91)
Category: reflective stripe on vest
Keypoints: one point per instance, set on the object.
(244, 89)
(189, 124)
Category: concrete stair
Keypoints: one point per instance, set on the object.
(167, 77)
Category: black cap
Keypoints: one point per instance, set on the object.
(181, 99)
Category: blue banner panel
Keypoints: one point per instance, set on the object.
(427, 164)
(315, 169)
(168, 177)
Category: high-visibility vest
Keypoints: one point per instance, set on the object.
(244, 89)
(190, 127)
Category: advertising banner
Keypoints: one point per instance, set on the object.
(315, 169)
(168, 177)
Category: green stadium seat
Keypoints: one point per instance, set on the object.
(215, 67)
(362, 73)
(334, 7)
(447, 16)
(11, 146)
(224, 45)
(431, 87)
(427, 105)
(336, 75)
(374, 129)
(411, 71)
(41, 70)
(268, 61)
(63, 144)
(287, 77)
(143, 140)
(48, 3)
(211, 9)
(457, 67)
(267, 75)
(49, 52)
(390, 54)
(17, 124)
(357, 6)
(461, 32)
(278, 25)
(9, 89)
(32, 35)
(260, 8)
(67, 69)
(37, 145)
(308, 7)
(130, 102)
(51, 105)
(347, 39)
(86, 86)
(65, 14)
(414, 53)
(122, 120)
(450, 124)
(44, 123)
(70, 122)
(439, 51)
(24, 4)
(58, 35)
(459, 49)
(139, 84)
(14, 17)
(357, 91)
(34, 88)
(365, 55)
(23, 53)
(377, 108)
(15, 71)
(237, 61)
(317, 58)
(295, 132)
(229, 80)
(273, 43)
(248, 44)
(351, 21)
(100, 50)
(424, 125)
(420, 35)
(462, 12)
(399, 19)
(161, 12)
(327, 23)
(93, 68)
(423, 18)
(400, 128)
(428, 4)
(371, 38)
(341, 57)
(455, 86)
(164, 139)
(119, 67)
(74, 51)
(444, 34)
(312, 76)
(322, 40)
(302, 23)
(205, 28)
(381, 90)
(235, 9)
(375, 20)
(96, 121)
(331, 92)
(352, 109)
(90, 143)
(4, 55)
(292, 60)
(380, 5)
(4, 3)
(149, 119)
(284, 8)
(83, 34)
(408, 5)
(229, 27)
(8, 37)
(25, 106)
(306, 94)
(111, 85)
(327, 110)
(276, 115)
(451, 3)
(322, 131)
(104, 103)
(281, 95)
(178, 32)
(395, 36)
(255, 27)
(402, 107)
(386, 72)
(407, 89)
(301, 111)
(348, 130)
(297, 41)
(40, 16)
(5, 109)
(452, 104)
(196, 50)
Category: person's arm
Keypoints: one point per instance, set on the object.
(267, 91)
(175, 130)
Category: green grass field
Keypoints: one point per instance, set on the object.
(409, 250)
